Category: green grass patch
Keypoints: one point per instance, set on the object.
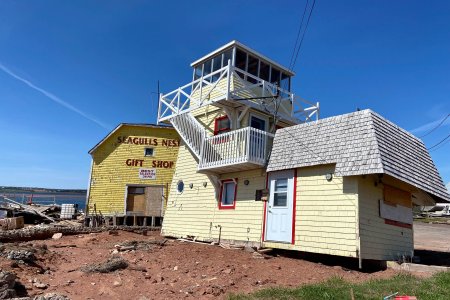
(436, 287)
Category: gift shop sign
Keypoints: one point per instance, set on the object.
(147, 173)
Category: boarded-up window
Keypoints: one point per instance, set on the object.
(145, 201)
(396, 205)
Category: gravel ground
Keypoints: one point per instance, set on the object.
(163, 270)
(434, 237)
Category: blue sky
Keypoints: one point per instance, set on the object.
(69, 73)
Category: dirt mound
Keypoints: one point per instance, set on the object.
(110, 265)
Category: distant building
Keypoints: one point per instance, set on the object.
(341, 186)
(132, 169)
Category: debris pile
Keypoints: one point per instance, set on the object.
(110, 265)
(32, 214)
(138, 245)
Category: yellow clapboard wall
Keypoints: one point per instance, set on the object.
(195, 211)
(110, 173)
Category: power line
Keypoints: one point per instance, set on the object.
(298, 35)
(303, 36)
(440, 142)
(439, 125)
(441, 146)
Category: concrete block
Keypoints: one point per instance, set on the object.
(12, 223)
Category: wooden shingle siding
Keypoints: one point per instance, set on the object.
(195, 212)
(110, 175)
(379, 240)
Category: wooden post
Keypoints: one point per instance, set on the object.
(153, 221)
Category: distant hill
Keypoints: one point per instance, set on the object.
(19, 189)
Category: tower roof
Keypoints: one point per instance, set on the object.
(245, 48)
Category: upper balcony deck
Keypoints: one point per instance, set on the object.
(235, 75)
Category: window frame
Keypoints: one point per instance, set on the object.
(222, 185)
(145, 152)
(218, 131)
(257, 116)
(281, 192)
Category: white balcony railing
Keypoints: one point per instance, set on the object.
(246, 145)
(227, 83)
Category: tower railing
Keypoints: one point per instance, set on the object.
(233, 84)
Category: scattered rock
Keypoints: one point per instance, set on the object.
(227, 271)
(57, 236)
(117, 283)
(7, 283)
(215, 290)
(249, 249)
(51, 296)
(22, 256)
(159, 278)
(40, 285)
(257, 255)
(112, 264)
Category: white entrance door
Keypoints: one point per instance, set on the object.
(279, 211)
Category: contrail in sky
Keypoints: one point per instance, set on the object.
(53, 97)
(429, 126)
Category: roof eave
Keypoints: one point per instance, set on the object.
(246, 48)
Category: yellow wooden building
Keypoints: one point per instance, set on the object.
(132, 168)
(323, 186)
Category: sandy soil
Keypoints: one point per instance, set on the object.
(174, 270)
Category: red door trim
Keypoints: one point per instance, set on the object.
(294, 203)
(265, 212)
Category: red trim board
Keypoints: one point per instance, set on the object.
(294, 208)
(235, 193)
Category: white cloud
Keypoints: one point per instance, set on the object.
(53, 97)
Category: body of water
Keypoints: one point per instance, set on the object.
(48, 198)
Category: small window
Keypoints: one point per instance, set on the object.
(180, 186)
(252, 68)
(149, 151)
(275, 77)
(216, 66)
(228, 194)
(222, 125)
(264, 71)
(134, 190)
(257, 123)
(280, 193)
(227, 55)
(285, 82)
(241, 61)
(198, 72)
(207, 68)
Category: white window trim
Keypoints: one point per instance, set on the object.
(266, 119)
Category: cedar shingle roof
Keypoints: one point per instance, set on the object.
(358, 143)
